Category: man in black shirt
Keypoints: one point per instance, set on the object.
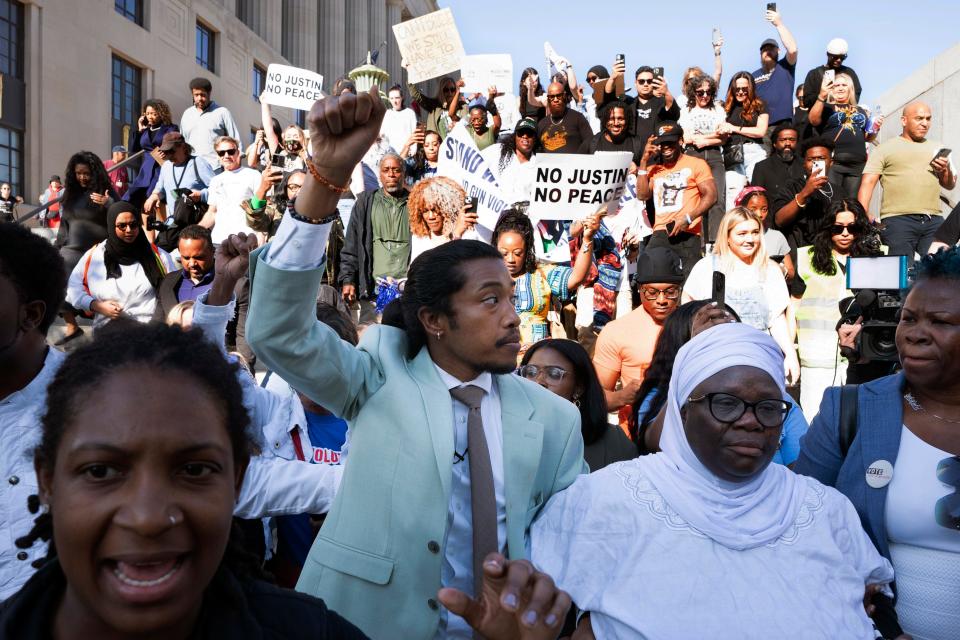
(615, 135)
(773, 173)
(562, 130)
(836, 54)
(653, 104)
(803, 202)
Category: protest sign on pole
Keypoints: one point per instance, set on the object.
(461, 161)
(570, 186)
(489, 70)
(430, 45)
(292, 87)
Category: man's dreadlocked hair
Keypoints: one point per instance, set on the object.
(162, 349)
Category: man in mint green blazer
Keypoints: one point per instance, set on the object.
(395, 533)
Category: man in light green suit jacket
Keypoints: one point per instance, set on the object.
(379, 558)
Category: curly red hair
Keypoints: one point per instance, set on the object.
(440, 194)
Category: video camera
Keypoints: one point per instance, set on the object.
(878, 284)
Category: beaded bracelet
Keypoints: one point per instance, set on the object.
(329, 185)
(327, 220)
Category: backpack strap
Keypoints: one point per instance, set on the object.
(86, 270)
(849, 394)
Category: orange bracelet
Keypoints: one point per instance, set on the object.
(329, 185)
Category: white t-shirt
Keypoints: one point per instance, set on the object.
(397, 127)
(516, 178)
(758, 301)
(228, 190)
(701, 122)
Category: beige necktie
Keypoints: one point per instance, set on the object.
(483, 500)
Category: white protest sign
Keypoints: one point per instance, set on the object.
(569, 186)
(430, 45)
(481, 72)
(292, 87)
(460, 160)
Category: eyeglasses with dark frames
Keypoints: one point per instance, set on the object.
(703, 92)
(728, 408)
(652, 293)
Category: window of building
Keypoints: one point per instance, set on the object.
(125, 101)
(132, 10)
(11, 36)
(205, 47)
(11, 156)
(259, 80)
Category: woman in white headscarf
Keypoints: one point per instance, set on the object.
(707, 539)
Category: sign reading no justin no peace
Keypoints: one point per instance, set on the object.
(292, 87)
(571, 186)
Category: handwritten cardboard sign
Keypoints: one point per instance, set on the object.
(430, 45)
(481, 72)
(569, 186)
(292, 87)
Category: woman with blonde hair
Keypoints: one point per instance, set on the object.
(836, 116)
(437, 214)
(755, 287)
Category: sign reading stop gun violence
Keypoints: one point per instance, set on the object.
(461, 161)
(430, 45)
(292, 87)
(570, 186)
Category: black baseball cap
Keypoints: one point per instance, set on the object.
(528, 124)
(668, 132)
(769, 42)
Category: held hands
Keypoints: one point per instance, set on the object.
(99, 199)
(233, 257)
(466, 220)
(109, 308)
(517, 602)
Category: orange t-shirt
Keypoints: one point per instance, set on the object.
(675, 189)
(625, 347)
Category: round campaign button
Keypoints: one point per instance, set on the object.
(879, 474)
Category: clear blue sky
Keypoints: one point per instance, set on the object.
(888, 40)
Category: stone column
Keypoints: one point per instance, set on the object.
(392, 60)
(378, 32)
(332, 28)
(300, 43)
(358, 34)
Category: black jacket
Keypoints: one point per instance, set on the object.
(356, 258)
(773, 174)
(232, 608)
(167, 294)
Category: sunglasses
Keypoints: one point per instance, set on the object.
(947, 509)
(644, 81)
(837, 229)
(729, 408)
(226, 152)
(652, 294)
(837, 57)
(532, 372)
(126, 225)
(740, 90)
(449, 90)
(702, 93)
(554, 96)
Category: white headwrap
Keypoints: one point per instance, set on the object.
(738, 515)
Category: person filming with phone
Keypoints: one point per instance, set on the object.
(911, 169)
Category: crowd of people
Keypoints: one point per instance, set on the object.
(312, 367)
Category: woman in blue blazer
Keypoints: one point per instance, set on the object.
(902, 469)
